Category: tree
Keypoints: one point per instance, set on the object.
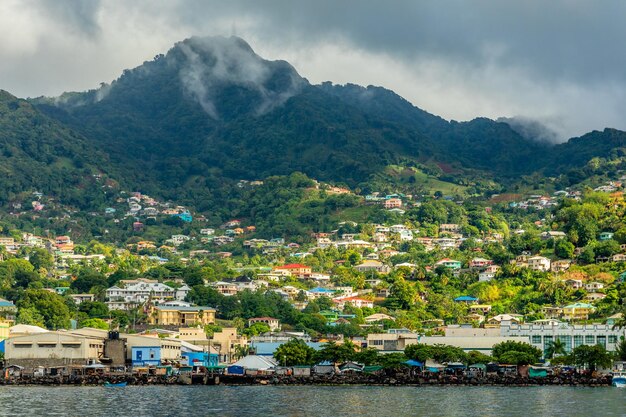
(88, 279)
(564, 249)
(555, 348)
(294, 352)
(51, 307)
(475, 356)
(30, 316)
(591, 356)
(95, 324)
(418, 352)
(40, 258)
(335, 353)
(256, 329)
(404, 292)
(620, 350)
(519, 353)
(94, 309)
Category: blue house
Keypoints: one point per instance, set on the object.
(466, 299)
(146, 355)
(184, 216)
(201, 359)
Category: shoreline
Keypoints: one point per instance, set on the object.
(340, 380)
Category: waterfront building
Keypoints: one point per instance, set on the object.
(49, 349)
(572, 336)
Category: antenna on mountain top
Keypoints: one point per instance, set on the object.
(233, 29)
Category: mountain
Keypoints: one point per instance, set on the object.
(210, 112)
(37, 153)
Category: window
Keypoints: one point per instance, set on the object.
(590, 339)
(567, 342)
(377, 342)
(535, 339)
(602, 340)
(578, 340)
(612, 338)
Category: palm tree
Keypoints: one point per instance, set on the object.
(620, 323)
(620, 350)
(555, 348)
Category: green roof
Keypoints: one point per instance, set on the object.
(579, 305)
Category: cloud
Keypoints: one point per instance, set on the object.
(210, 62)
(560, 62)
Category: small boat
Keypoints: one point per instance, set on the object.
(114, 385)
(619, 379)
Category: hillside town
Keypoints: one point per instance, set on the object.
(467, 275)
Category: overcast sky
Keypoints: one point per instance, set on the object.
(560, 62)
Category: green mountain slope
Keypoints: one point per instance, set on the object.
(189, 123)
(39, 153)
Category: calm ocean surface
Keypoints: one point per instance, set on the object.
(311, 401)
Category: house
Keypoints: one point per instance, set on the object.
(146, 355)
(164, 315)
(606, 235)
(578, 311)
(620, 257)
(296, 269)
(574, 283)
(355, 301)
(225, 288)
(449, 263)
(551, 312)
(392, 203)
(135, 292)
(480, 263)
(467, 299)
(449, 228)
(7, 306)
(594, 296)
(475, 317)
(320, 292)
(539, 263)
(274, 324)
(560, 265)
(371, 265)
(395, 340)
(228, 342)
(594, 286)
(480, 308)
(485, 276)
(331, 316)
(553, 234)
(498, 320)
(5, 325)
(373, 318)
(79, 298)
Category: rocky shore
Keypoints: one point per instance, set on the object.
(386, 378)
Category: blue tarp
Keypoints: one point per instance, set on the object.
(412, 362)
(236, 370)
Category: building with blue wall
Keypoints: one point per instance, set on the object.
(201, 359)
(146, 355)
